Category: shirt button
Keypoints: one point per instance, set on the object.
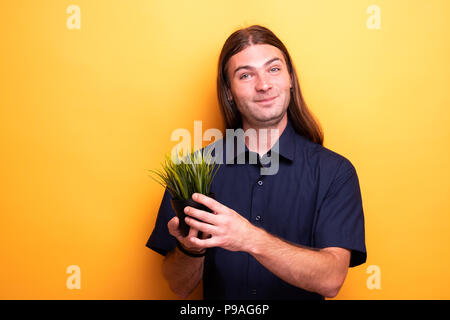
(258, 218)
(260, 182)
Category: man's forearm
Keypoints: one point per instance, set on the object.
(182, 272)
(314, 270)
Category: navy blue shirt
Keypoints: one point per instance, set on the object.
(313, 200)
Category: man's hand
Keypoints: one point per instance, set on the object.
(317, 270)
(185, 241)
(228, 229)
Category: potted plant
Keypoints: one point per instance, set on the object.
(194, 173)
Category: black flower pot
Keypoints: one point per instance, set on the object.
(178, 206)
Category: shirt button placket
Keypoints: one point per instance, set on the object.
(258, 198)
(256, 217)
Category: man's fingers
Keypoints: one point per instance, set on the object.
(193, 232)
(172, 225)
(201, 215)
(214, 205)
(203, 227)
(204, 243)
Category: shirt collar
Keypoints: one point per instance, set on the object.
(286, 144)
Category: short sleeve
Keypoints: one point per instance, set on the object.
(161, 240)
(340, 220)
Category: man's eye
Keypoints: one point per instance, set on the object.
(275, 68)
(244, 76)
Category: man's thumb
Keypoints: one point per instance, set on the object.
(173, 227)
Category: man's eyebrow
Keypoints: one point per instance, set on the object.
(250, 67)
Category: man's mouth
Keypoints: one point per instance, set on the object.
(266, 100)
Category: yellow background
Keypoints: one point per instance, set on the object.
(85, 113)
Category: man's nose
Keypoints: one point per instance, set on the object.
(263, 83)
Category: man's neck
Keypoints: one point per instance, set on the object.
(265, 139)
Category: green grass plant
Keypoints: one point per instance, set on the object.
(191, 174)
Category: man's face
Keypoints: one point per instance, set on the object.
(260, 84)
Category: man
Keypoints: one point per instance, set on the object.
(291, 235)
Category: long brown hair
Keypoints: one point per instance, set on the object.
(301, 117)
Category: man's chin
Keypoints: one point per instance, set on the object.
(269, 120)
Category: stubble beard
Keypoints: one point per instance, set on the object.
(264, 121)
